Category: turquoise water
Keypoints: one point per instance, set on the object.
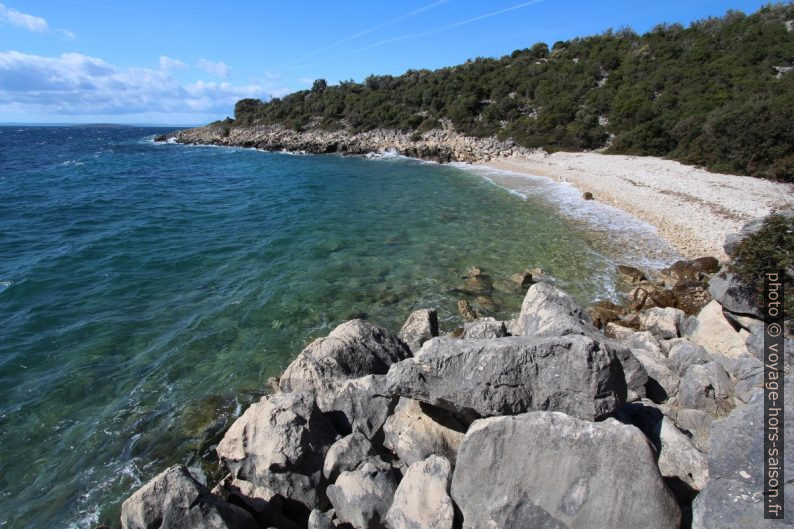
(148, 290)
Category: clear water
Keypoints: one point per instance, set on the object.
(147, 291)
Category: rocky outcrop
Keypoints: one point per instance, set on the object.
(175, 500)
(545, 460)
(435, 145)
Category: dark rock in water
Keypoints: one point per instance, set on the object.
(574, 374)
(640, 298)
(691, 296)
(354, 349)
(630, 274)
(734, 496)
(420, 326)
(604, 312)
(175, 500)
(346, 454)
(522, 279)
(484, 328)
(280, 443)
(362, 497)
(587, 195)
(692, 270)
(487, 304)
(422, 499)
(466, 311)
(733, 295)
(416, 431)
(561, 473)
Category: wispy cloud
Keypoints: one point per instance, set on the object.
(215, 68)
(73, 84)
(167, 63)
(68, 35)
(370, 30)
(438, 29)
(12, 17)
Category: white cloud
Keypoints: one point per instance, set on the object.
(167, 63)
(16, 18)
(73, 84)
(67, 34)
(215, 68)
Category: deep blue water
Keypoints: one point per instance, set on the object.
(148, 290)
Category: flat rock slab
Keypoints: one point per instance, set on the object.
(549, 470)
(574, 374)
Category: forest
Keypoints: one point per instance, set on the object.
(718, 94)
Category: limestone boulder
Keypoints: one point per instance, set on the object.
(574, 374)
(416, 431)
(420, 326)
(362, 497)
(733, 295)
(545, 476)
(175, 500)
(712, 331)
(484, 328)
(346, 454)
(665, 323)
(706, 387)
(548, 311)
(422, 499)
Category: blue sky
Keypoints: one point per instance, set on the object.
(187, 62)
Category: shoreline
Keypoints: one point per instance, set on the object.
(691, 208)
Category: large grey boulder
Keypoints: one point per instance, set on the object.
(279, 443)
(363, 497)
(484, 328)
(346, 454)
(684, 353)
(712, 331)
(359, 404)
(413, 434)
(553, 471)
(321, 520)
(706, 387)
(698, 424)
(354, 349)
(634, 339)
(574, 374)
(734, 496)
(175, 500)
(733, 295)
(420, 326)
(662, 381)
(679, 458)
(422, 500)
(548, 311)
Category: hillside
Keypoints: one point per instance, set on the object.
(719, 93)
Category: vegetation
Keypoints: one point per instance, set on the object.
(770, 248)
(715, 94)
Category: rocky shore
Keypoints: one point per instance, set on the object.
(641, 415)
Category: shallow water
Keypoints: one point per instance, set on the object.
(148, 290)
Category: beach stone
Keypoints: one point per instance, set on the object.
(733, 295)
(363, 496)
(484, 328)
(422, 499)
(545, 475)
(522, 279)
(478, 282)
(691, 296)
(706, 387)
(685, 353)
(713, 332)
(416, 431)
(360, 404)
(698, 424)
(346, 454)
(175, 500)
(353, 349)
(548, 311)
(574, 374)
(487, 304)
(279, 443)
(662, 322)
(587, 195)
(734, 496)
(466, 311)
(630, 274)
(420, 326)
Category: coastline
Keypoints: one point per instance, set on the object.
(691, 208)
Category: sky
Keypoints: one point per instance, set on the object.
(187, 62)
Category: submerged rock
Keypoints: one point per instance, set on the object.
(466, 311)
(630, 274)
(561, 473)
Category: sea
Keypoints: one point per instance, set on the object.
(148, 290)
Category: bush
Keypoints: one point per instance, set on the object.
(770, 248)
